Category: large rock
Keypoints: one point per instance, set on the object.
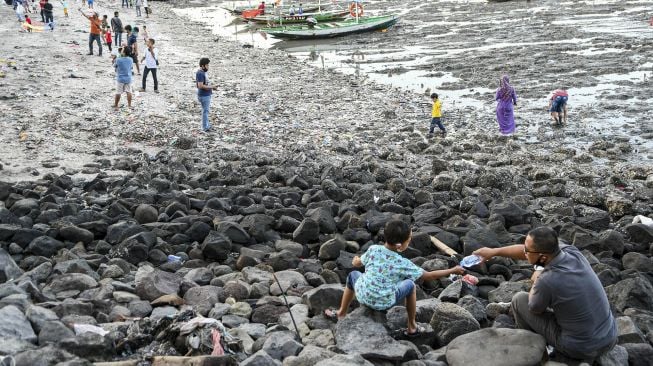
(233, 231)
(152, 283)
(507, 290)
(131, 250)
(478, 238)
(359, 333)
(260, 358)
(450, 321)
(640, 233)
(513, 214)
(331, 248)
(9, 270)
(345, 360)
(324, 219)
(44, 246)
(307, 231)
(287, 279)
(72, 281)
(203, 298)
(216, 246)
(145, 214)
(309, 356)
(628, 332)
(91, 346)
(637, 262)
(497, 347)
(14, 324)
(617, 356)
(631, 293)
(639, 354)
(280, 345)
(322, 298)
(76, 234)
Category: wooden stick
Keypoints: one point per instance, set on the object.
(442, 246)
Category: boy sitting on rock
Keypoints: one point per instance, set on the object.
(389, 279)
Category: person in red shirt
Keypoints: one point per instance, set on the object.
(558, 106)
(29, 23)
(261, 8)
(41, 5)
(95, 33)
(107, 38)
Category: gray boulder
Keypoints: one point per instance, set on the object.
(203, 298)
(507, 290)
(38, 316)
(71, 281)
(639, 354)
(450, 321)
(322, 298)
(360, 333)
(14, 324)
(309, 356)
(513, 214)
(45, 246)
(497, 347)
(90, 346)
(260, 358)
(637, 261)
(53, 332)
(48, 355)
(145, 214)
(152, 283)
(307, 231)
(628, 331)
(331, 248)
(618, 356)
(324, 219)
(216, 246)
(640, 233)
(9, 270)
(76, 234)
(345, 360)
(634, 292)
(287, 279)
(280, 345)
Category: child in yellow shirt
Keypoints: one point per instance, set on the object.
(436, 116)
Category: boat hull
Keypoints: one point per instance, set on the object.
(306, 33)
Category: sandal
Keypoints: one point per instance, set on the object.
(417, 333)
(331, 314)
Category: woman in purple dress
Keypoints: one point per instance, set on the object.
(506, 98)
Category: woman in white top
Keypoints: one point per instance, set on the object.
(151, 61)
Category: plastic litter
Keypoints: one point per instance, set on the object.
(174, 258)
(643, 220)
(471, 261)
(83, 328)
(470, 279)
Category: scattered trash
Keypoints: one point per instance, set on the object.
(471, 261)
(470, 279)
(174, 258)
(643, 220)
(84, 328)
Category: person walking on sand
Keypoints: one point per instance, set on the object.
(64, 4)
(436, 116)
(138, 7)
(558, 106)
(95, 32)
(125, 4)
(146, 8)
(123, 66)
(389, 279)
(151, 60)
(48, 11)
(41, 3)
(90, 4)
(567, 304)
(116, 26)
(506, 99)
(108, 40)
(204, 91)
(132, 42)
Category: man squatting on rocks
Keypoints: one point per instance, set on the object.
(389, 279)
(580, 324)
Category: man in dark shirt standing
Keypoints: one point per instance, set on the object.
(48, 12)
(204, 91)
(581, 325)
(116, 27)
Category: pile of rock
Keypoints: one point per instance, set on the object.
(115, 267)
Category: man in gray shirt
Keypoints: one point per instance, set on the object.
(580, 325)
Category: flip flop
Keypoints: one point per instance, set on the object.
(418, 332)
(331, 314)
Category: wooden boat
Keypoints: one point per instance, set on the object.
(269, 9)
(325, 16)
(333, 29)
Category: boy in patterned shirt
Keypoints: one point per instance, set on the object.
(389, 278)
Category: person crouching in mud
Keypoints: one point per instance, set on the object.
(389, 279)
(558, 106)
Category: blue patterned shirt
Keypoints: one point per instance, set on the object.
(384, 270)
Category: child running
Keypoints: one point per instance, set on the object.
(108, 39)
(389, 279)
(436, 116)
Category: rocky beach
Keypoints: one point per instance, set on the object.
(129, 237)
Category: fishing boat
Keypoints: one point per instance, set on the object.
(269, 8)
(333, 29)
(325, 16)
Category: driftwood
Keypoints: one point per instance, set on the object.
(442, 246)
(178, 361)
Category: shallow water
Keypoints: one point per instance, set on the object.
(599, 50)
